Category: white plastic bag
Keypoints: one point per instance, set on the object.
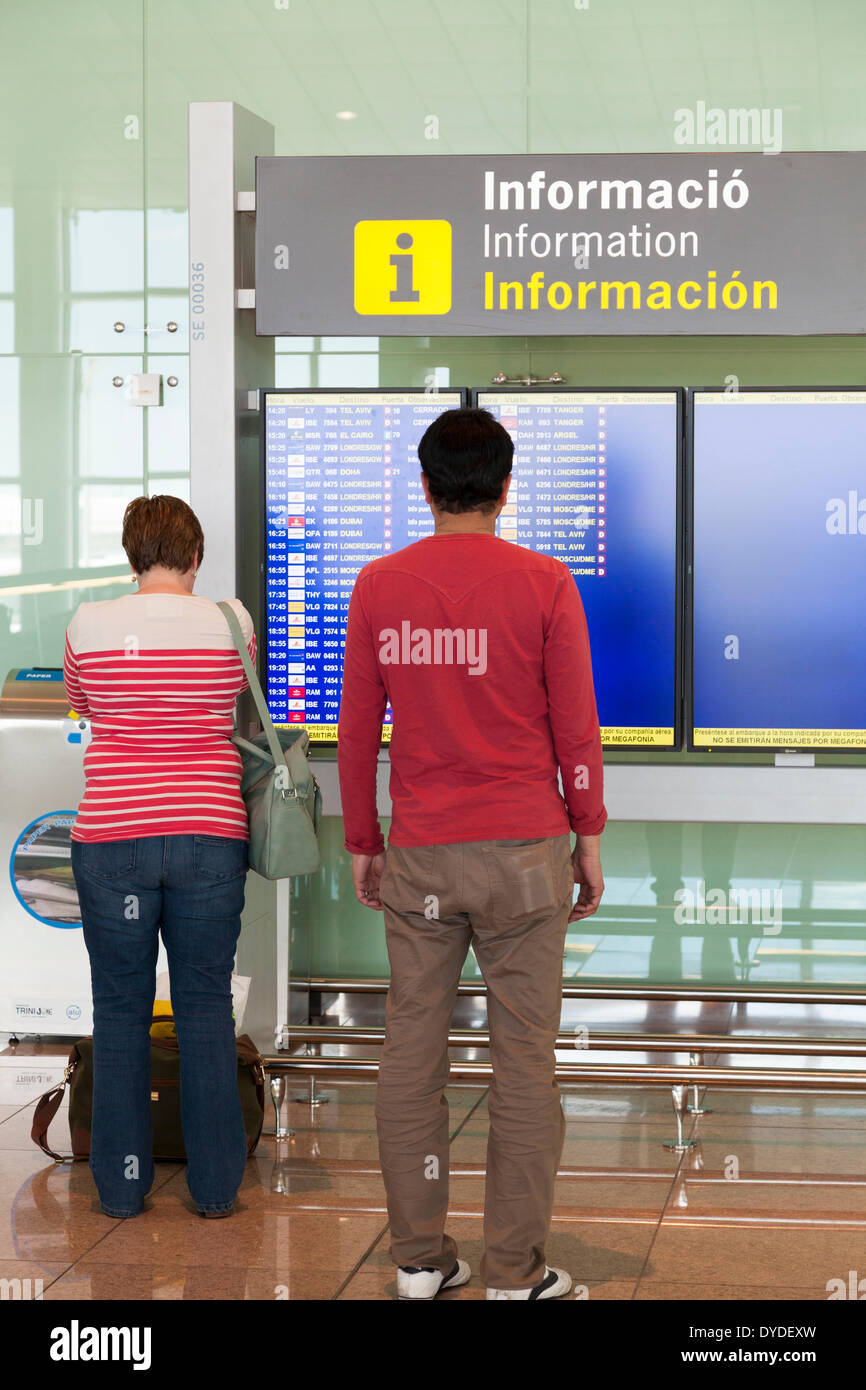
(240, 994)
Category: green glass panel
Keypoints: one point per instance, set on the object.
(93, 233)
(684, 904)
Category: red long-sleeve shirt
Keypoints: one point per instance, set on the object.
(482, 648)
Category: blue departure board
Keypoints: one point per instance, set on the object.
(342, 487)
(779, 580)
(596, 485)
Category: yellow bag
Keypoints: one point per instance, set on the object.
(163, 1022)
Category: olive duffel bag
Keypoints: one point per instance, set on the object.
(164, 1095)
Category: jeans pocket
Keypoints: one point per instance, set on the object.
(106, 860)
(218, 857)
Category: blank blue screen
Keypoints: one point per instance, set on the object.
(779, 550)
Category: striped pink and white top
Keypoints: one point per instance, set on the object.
(158, 676)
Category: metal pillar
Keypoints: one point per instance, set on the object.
(227, 365)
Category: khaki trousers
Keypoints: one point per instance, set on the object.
(509, 900)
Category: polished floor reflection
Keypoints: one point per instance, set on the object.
(770, 1203)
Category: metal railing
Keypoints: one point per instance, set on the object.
(738, 994)
(613, 1042)
(680, 1077)
(694, 1043)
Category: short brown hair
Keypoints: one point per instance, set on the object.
(161, 530)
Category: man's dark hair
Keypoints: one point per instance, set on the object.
(466, 457)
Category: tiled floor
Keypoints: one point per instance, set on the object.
(771, 1204)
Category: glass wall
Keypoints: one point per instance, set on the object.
(93, 220)
(93, 210)
(718, 904)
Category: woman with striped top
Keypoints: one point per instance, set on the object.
(160, 845)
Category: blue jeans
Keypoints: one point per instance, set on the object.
(191, 887)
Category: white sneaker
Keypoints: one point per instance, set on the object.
(426, 1283)
(554, 1284)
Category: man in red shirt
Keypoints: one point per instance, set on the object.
(482, 648)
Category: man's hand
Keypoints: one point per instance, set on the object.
(586, 861)
(367, 871)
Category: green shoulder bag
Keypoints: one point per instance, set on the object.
(283, 800)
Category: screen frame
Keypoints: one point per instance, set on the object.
(689, 612)
(263, 393)
(636, 752)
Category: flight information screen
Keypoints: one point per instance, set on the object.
(779, 541)
(342, 487)
(595, 484)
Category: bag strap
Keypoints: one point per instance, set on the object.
(47, 1107)
(252, 748)
(277, 753)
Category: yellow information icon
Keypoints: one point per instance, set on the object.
(403, 267)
